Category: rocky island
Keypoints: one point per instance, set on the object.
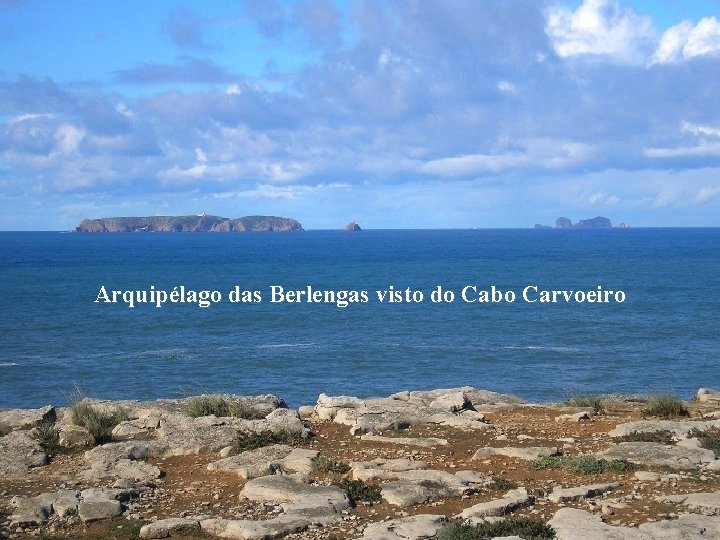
(460, 463)
(352, 227)
(565, 223)
(199, 223)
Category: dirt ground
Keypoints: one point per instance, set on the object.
(189, 489)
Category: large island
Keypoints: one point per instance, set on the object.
(199, 223)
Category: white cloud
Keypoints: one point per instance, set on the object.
(507, 87)
(707, 194)
(542, 154)
(684, 41)
(602, 28)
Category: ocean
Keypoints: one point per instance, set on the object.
(55, 337)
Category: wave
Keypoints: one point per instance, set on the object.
(285, 345)
(542, 348)
(8, 364)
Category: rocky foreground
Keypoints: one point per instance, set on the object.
(460, 463)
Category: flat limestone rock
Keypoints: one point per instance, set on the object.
(697, 502)
(419, 527)
(27, 418)
(530, 453)
(31, 510)
(574, 524)
(678, 428)
(284, 524)
(577, 493)
(657, 454)
(167, 527)
(253, 463)
(403, 493)
(291, 489)
(19, 454)
(426, 442)
(401, 410)
(513, 499)
(267, 460)
(122, 460)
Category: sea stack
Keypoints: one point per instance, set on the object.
(352, 227)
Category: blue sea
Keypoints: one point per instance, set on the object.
(54, 336)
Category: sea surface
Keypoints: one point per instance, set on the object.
(55, 337)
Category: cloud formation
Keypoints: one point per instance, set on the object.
(482, 98)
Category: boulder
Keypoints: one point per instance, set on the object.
(31, 510)
(701, 503)
(267, 460)
(19, 453)
(708, 395)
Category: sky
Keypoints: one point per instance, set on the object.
(394, 114)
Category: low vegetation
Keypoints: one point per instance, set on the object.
(499, 483)
(4, 430)
(328, 465)
(666, 406)
(709, 439)
(220, 406)
(589, 401)
(245, 441)
(660, 436)
(99, 423)
(358, 491)
(580, 464)
(48, 438)
(526, 528)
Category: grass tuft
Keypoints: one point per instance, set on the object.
(4, 430)
(98, 423)
(666, 406)
(359, 491)
(580, 464)
(526, 528)
(48, 438)
(499, 483)
(660, 436)
(328, 465)
(221, 407)
(589, 401)
(245, 441)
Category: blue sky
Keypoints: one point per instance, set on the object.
(399, 114)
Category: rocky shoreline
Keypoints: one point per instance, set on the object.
(452, 463)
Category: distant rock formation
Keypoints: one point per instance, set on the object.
(541, 226)
(352, 227)
(201, 223)
(594, 223)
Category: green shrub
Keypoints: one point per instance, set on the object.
(98, 423)
(252, 440)
(359, 491)
(499, 483)
(666, 407)
(660, 436)
(709, 439)
(220, 406)
(527, 528)
(580, 464)
(48, 438)
(589, 401)
(328, 465)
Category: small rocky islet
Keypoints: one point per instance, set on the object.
(414, 465)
